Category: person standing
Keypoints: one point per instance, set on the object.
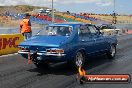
(25, 27)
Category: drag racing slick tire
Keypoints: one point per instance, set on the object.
(41, 64)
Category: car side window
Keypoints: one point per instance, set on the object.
(92, 29)
(83, 31)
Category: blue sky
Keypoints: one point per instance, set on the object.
(95, 6)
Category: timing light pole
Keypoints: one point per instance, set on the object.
(52, 11)
(114, 14)
(114, 6)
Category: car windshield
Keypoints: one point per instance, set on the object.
(56, 30)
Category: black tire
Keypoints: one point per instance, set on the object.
(41, 64)
(78, 60)
(112, 52)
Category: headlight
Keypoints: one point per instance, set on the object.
(55, 51)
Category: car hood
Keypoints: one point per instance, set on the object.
(41, 40)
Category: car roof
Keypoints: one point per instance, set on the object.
(68, 24)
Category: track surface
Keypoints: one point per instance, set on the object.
(16, 73)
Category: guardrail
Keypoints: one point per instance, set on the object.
(9, 43)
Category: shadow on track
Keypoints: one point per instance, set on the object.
(57, 69)
(64, 69)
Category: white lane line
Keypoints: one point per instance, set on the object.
(8, 55)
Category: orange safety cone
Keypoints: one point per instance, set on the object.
(29, 58)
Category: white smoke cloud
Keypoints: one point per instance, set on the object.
(105, 3)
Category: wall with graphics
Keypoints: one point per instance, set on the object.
(9, 43)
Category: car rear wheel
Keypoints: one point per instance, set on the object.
(111, 53)
(79, 59)
(41, 64)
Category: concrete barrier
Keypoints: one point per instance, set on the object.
(9, 43)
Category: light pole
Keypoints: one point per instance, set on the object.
(114, 14)
(114, 6)
(52, 11)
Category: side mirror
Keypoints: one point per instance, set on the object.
(99, 32)
(98, 27)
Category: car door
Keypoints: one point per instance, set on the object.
(99, 40)
(85, 41)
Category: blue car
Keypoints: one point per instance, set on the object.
(71, 42)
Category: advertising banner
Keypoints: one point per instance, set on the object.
(9, 43)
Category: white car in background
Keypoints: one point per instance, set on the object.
(108, 29)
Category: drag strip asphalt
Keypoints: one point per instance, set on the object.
(16, 73)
